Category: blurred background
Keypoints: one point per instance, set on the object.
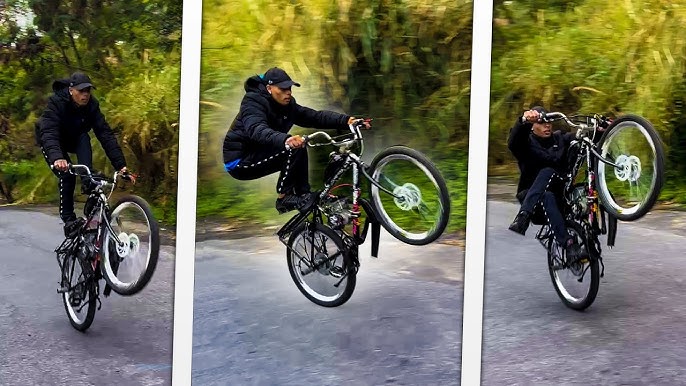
(406, 64)
(591, 56)
(131, 50)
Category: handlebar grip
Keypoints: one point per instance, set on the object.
(70, 167)
(544, 118)
(362, 122)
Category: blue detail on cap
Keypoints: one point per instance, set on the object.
(261, 76)
(229, 166)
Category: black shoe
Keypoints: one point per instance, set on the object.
(291, 202)
(71, 227)
(574, 251)
(521, 223)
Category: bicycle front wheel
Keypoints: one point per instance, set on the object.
(576, 282)
(418, 209)
(319, 265)
(79, 292)
(130, 258)
(629, 190)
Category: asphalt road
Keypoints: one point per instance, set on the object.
(634, 333)
(252, 326)
(129, 343)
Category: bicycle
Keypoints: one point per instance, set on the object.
(624, 166)
(106, 245)
(409, 198)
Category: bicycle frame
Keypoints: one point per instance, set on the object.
(99, 213)
(358, 167)
(594, 223)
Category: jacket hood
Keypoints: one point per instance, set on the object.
(255, 84)
(60, 84)
(61, 88)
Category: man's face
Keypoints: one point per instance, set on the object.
(82, 97)
(543, 130)
(281, 95)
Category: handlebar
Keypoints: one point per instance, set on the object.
(355, 129)
(592, 123)
(97, 179)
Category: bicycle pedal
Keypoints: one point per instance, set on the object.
(62, 290)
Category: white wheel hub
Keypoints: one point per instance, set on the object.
(129, 243)
(408, 196)
(628, 168)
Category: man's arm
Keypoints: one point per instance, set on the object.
(107, 138)
(320, 120)
(50, 132)
(518, 140)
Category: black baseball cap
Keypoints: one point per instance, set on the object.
(540, 109)
(278, 77)
(79, 81)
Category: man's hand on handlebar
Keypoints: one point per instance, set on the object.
(367, 122)
(61, 165)
(124, 173)
(533, 116)
(295, 142)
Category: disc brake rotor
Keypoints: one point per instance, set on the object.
(408, 196)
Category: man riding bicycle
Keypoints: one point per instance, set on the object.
(542, 159)
(258, 144)
(63, 128)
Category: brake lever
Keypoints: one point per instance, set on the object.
(128, 176)
(363, 123)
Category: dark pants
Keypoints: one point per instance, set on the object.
(292, 165)
(67, 182)
(540, 200)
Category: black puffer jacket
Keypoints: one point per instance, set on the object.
(261, 122)
(534, 153)
(63, 122)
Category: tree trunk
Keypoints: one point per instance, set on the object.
(73, 46)
(6, 192)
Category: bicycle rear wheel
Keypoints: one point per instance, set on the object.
(417, 213)
(576, 282)
(128, 266)
(630, 190)
(79, 292)
(319, 265)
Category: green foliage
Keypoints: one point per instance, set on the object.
(404, 63)
(131, 50)
(592, 56)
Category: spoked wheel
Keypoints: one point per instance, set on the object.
(79, 292)
(576, 282)
(129, 261)
(418, 209)
(319, 265)
(630, 190)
